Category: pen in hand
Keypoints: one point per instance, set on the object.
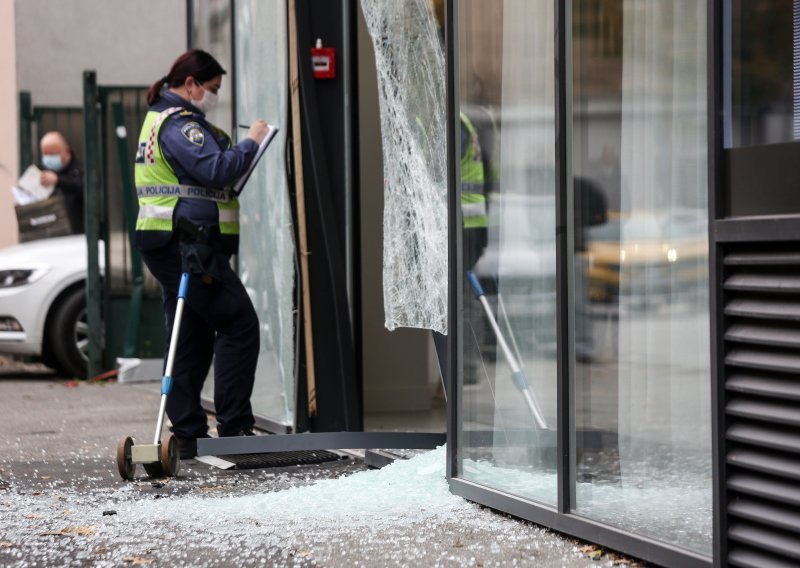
(257, 131)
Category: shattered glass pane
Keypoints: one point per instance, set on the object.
(266, 255)
(411, 84)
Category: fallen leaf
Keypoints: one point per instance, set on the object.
(210, 488)
(68, 531)
(45, 476)
(32, 516)
(138, 560)
(5, 544)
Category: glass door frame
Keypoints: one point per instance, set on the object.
(560, 518)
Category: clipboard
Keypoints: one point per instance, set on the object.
(239, 185)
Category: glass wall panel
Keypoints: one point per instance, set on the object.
(640, 314)
(765, 105)
(211, 31)
(267, 252)
(506, 97)
(761, 105)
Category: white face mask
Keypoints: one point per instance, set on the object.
(207, 103)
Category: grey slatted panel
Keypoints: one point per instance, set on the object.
(763, 309)
(766, 411)
(768, 360)
(765, 462)
(763, 335)
(762, 486)
(766, 539)
(761, 299)
(765, 436)
(749, 558)
(768, 514)
(775, 283)
(763, 259)
(788, 389)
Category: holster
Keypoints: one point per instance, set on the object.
(199, 247)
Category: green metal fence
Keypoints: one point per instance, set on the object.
(124, 301)
(35, 121)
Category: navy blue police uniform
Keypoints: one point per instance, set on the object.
(219, 319)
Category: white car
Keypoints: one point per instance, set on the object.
(43, 302)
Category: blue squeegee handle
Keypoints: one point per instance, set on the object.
(166, 380)
(475, 283)
(517, 375)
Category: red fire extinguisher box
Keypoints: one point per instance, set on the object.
(323, 61)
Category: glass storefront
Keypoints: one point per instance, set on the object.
(211, 30)
(635, 255)
(267, 252)
(641, 316)
(507, 125)
(266, 260)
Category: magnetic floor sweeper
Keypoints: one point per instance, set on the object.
(517, 375)
(160, 457)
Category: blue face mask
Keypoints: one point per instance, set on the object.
(52, 162)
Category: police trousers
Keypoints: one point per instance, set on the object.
(219, 322)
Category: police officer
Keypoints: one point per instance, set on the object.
(189, 221)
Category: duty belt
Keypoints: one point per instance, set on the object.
(185, 191)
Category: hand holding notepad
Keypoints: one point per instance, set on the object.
(239, 185)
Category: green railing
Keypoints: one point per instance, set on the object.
(35, 121)
(124, 310)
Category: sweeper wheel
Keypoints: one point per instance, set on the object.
(170, 456)
(125, 465)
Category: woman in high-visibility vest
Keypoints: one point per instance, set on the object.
(189, 222)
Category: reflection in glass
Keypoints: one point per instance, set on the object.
(211, 31)
(764, 103)
(640, 316)
(266, 252)
(506, 54)
(266, 257)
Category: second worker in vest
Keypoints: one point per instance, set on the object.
(189, 222)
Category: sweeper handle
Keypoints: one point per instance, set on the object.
(166, 380)
(519, 378)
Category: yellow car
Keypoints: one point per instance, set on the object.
(646, 257)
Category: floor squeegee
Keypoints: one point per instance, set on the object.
(517, 375)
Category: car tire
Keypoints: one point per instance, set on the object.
(67, 334)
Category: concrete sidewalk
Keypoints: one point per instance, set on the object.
(62, 502)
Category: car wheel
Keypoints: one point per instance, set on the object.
(68, 335)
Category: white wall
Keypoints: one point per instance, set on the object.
(9, 153)
(45, 46)
(125, 42)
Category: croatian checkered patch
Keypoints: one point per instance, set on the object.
(193, 133)
(149, 151)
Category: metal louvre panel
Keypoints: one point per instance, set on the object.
(749, 558)
(761, 334)
(761, 303)
(767, 514)
(766, 462)
(771, 540)
(759, 385)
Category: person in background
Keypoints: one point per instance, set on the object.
(60, 168)
(189, 222)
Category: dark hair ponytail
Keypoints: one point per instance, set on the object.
(194, 63)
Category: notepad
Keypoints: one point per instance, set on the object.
(239, 185)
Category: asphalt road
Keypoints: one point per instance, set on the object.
(62, 502)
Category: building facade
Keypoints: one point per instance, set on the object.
(622, 299)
